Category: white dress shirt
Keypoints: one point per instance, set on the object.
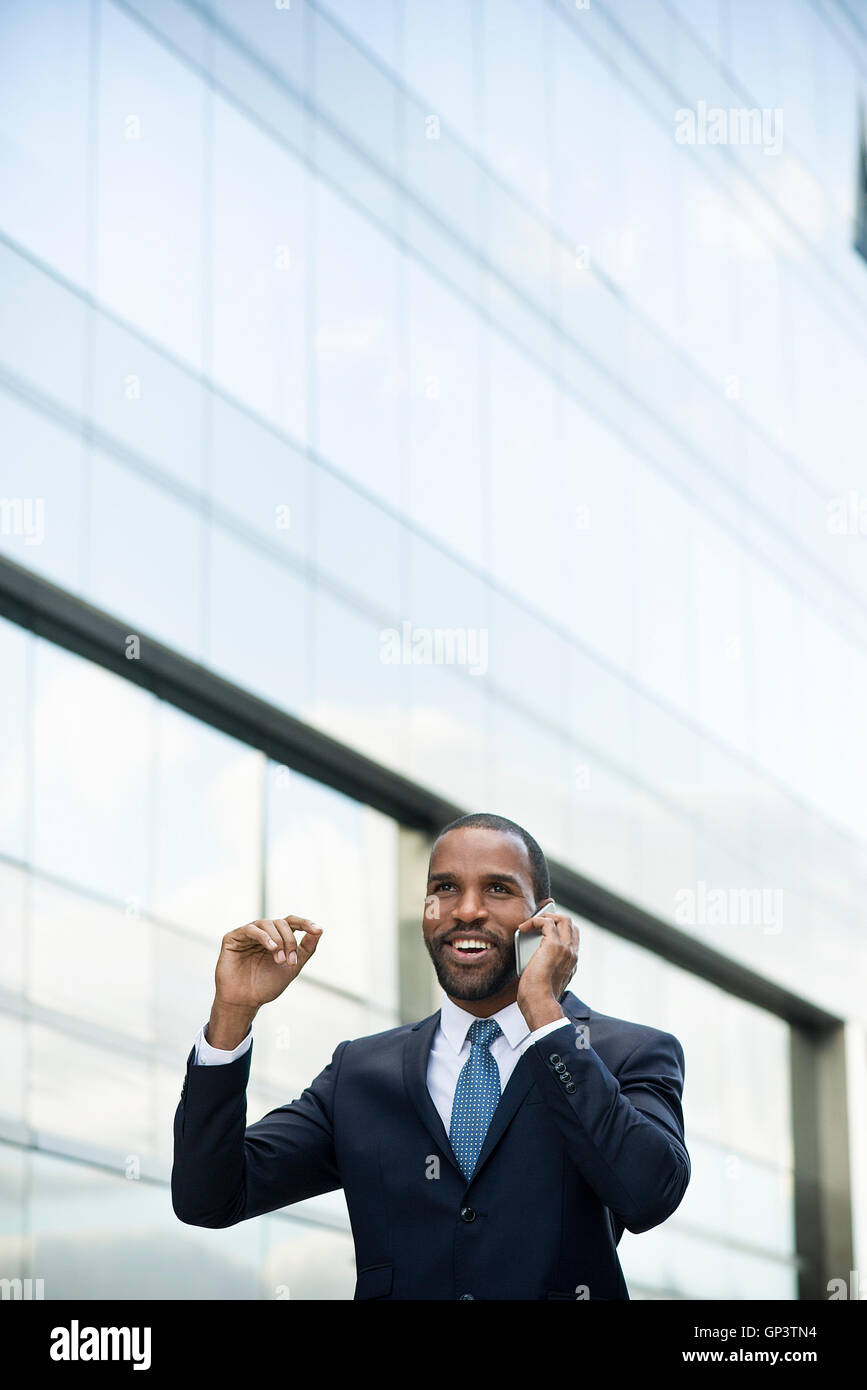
(449, 1051)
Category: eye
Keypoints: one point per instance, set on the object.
(500, 885)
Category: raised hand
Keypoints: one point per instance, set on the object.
(256, 963)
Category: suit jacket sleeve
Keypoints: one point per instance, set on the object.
(624, 1133)
(226, 1171)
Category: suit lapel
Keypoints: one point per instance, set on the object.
(519, 1084)
(516, 1090)
(415, 1061)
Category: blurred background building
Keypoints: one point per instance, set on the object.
(409, 409)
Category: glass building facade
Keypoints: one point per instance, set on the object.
(472, 384)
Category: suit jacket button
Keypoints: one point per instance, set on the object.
(570, 1087)
(465, 1295)
(467, 1214)
(554, 1058)
(565, 1075)
(560, 1067)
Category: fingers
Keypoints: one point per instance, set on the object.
(556, 961)
(300, 951)
(277, 936)
(557, 929)
(567, 933)
(310, 940)
(297, 953)
(279, 927)
(555, 925)
(536, 922)
(260, 932)
(552, 926)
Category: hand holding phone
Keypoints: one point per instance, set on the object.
(527, 942)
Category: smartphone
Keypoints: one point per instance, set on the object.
(526, 942)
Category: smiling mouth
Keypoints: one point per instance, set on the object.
(468, 949)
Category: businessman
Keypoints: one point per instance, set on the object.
(496, 1150)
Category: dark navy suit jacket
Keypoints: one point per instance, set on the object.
(587, 1140)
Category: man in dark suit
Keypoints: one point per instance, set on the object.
(496, 1150)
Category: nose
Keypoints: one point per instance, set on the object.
(469, 909)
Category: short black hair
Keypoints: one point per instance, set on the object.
(486, 820)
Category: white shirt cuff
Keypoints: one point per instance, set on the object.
(207, 1056)
(543, 1032)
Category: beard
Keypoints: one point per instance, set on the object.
(493, 973)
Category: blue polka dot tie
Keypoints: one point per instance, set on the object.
(477, 1095)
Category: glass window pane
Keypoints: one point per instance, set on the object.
(354, 92)
(15, 651)
(258, 613)
(40, 519)
(53, 362)
(439, 58)
(14, 1171)
(276, 33)
(90, 961)
(445, 421)
(92, 769)
(259, 269)
(44, 131)
(146, 402)
(14, 884)
(335, 861)
(515, 40)
(207, 871)
(81, 1092)
(366, 711)
(144, 556)
(446, 724)
(258, 479)
(183, 991)
(151, 158)
(85, 1222)
(310, 1262)
(359, 368)
(14, 1075)
(358, 544)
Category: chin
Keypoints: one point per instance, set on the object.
(458, 986)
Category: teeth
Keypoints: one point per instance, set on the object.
(467, 945)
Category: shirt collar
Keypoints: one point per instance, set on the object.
(455, 1023)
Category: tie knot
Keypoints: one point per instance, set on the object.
(483, 1031)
